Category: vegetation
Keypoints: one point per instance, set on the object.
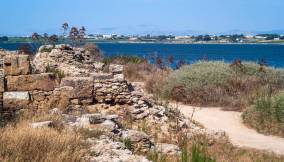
(59, 74)
(267, 114)
(216, 83)
(48, 50)
(123, 60)
(20, 142)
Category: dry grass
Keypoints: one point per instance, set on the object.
(23, 143)
(223, 151)
(139, 72)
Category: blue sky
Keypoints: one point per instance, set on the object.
(22, 17)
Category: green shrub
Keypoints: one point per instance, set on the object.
(59, 74)
(200, 74)
(46, 50)
(127, 143)
(267, 114)
(216, 83)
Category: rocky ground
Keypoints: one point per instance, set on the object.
(121, 122)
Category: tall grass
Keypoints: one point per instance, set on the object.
(267, 114)
(23, 143)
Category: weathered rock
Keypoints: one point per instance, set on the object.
(140, 140)
(168, 149)
(107, 125)
(16, 64)
(72, 61)
(116, 69)
(105, 150)
(44, 124)
(83, 86)
(96, 118)
(136, 136)
(99, 66)
(2, 87)
(44, 82)
(16, 100)
(101, 76)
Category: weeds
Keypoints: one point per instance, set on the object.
(198, 154)
(267, 114)
(156, 156)
(59, 74)
(127, 143)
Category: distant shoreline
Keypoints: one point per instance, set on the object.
(141, 42)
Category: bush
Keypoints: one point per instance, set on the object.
(267, 114)
(23, 143)
(216, 83)
(45, 49)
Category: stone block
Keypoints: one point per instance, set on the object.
(101, 76)
(16, 64)
(116, 69)
(16, 100)
(42, 82)
(82, 86)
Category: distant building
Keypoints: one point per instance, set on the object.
(182, 37)
(260, 37)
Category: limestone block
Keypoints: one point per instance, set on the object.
(82, 86)
(16, 100)
(16, 64)
(43, 82)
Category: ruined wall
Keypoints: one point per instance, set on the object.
(23, 87)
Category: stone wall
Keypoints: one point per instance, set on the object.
(24, 88)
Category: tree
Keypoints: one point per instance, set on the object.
(82, 33)
(73, 35)
(35, 36)
(53, 39)
(65, 28)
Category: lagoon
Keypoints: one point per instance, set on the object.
(273, 54)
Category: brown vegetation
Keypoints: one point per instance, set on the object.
(23, 143)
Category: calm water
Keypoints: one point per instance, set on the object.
(273, 54)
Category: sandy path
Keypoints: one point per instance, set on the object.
(231, 123)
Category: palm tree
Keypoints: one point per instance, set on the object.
(65, 27)
(73, 35)
(82, 33)
(35, 36)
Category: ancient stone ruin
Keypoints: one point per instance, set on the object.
(70, 82)
(33, 84)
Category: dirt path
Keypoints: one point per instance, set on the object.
(231, 123)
